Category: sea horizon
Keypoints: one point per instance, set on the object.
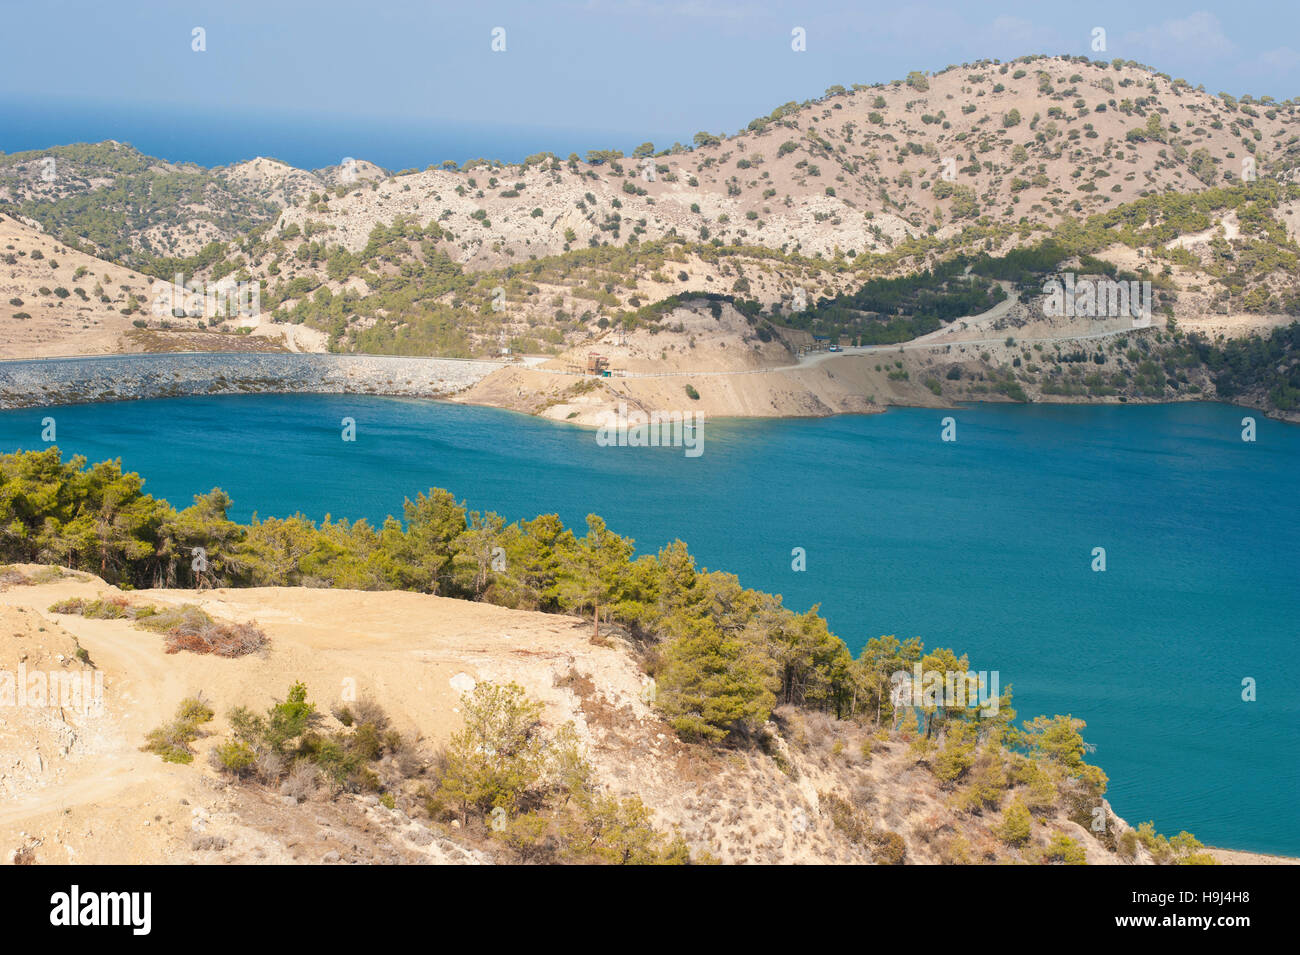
(305, 140)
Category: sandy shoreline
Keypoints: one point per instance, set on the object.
(1241, 857)
(844, 385)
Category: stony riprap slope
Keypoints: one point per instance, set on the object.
(70, 381)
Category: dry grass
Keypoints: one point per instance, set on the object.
(183, 628)
(12, 577)
(190, 628)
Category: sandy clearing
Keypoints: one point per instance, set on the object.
(78, 778)
(79, 790)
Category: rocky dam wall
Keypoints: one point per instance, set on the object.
(61, 381)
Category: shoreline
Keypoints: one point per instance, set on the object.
(1243, 856)
(452, 399)
(1249, 857)
(27, 383)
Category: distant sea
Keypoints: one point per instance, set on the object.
(984, 545)
(305, 141)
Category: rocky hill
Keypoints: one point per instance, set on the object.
(970, 187)
(80, 784)
(857, 170)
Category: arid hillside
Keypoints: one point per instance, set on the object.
(57, 301)
(121, 204)
(785, 231)
(856, 171)
(79, 788)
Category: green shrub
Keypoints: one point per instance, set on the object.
(113, 608)
(498, 756)
(889, 849)
(713, 686)
(171, 741)
(72, 605)
(194, 710)
(1064, 851)
(289, 736)
(235, 756)
(1016, 824)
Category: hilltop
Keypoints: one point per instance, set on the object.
(857, 170)
(79, 788)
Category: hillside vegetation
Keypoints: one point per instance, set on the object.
(730, 667)
(813, 200)
(871, 216)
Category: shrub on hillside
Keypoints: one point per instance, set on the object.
(190, 628)
(171, 741)
(286, 745)
(1016, 824)
(537, 794)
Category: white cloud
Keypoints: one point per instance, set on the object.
(1198, 34)
(1282, 60)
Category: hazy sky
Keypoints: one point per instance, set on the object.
(661, 68)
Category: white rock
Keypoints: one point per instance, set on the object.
(463, 683)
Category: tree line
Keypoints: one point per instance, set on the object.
(723, 656)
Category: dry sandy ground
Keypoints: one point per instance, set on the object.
(68, 326)
(77, 788)
(57, 326)
(79, 784)
(1235, 857)
(805, 393)
(735, 374)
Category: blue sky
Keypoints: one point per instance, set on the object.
(595, 73)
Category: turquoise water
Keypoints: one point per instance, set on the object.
(984, 544)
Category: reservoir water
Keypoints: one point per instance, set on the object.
(984, 544)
